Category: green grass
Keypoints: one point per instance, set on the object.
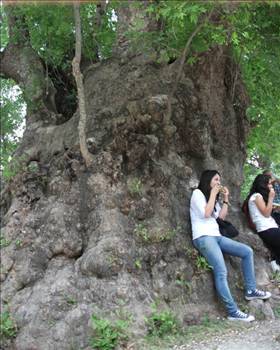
(4, 242)
(162, 323)
(108, 335)
(201, 264)
(7, 326)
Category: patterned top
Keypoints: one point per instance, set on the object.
(276, 186)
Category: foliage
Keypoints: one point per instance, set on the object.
(4, 242)
(142, 232)
(256, 39)
(179, 19)
(182, 282)
(51, 31)
(4, 38)
(13, 166)
(162, 323)
(138, 264)
(145, 235)
(275, 277)
(202, 264)
(70, 300)
(106, 334)
(11, 118)
(7, 326)
(135, 187)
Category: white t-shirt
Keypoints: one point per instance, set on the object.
(262, 222)
(202, 226)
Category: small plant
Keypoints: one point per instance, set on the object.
(18, 243)
(142, 232)
(277, 312)
(168, 234)
(275, 277)
(7, 326)
(202, 264)
(180, 281)
(33, 167)
(4, 242)
(138, 264)
(70, 300)
(135, 187)
(162, 323)
(112, 259)
(106, 334)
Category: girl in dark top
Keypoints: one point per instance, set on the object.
(260, 203)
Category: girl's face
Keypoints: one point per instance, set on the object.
(216, 180)
(269, 185)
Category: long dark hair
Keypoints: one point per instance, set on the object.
(204, 183)
(260, 185)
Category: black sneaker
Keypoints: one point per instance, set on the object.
(240, 316)
(257, 294)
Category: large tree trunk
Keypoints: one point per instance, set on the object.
(119, 237)
(129, 16)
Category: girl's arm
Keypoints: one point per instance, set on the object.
(224, 209)
(211, 202)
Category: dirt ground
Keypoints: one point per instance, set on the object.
(259, 335)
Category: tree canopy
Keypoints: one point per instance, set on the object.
(251, 30)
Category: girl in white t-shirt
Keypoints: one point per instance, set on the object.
(204, 209)
(260, 203)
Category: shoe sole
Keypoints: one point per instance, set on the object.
(241, 319)
(260, 298)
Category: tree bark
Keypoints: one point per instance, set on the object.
(97, 23)
(182, 62)
(80, 87)
(128, 16)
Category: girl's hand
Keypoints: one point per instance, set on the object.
(271, 193)
(225, 192)
(215, 190)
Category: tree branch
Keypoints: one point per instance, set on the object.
(80, 87)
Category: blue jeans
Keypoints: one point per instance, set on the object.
(212, 248)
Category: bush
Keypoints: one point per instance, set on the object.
(7, 326)
(163, 323)
(106, 334)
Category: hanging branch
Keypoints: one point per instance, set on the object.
(183, 59)
(80, 87)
